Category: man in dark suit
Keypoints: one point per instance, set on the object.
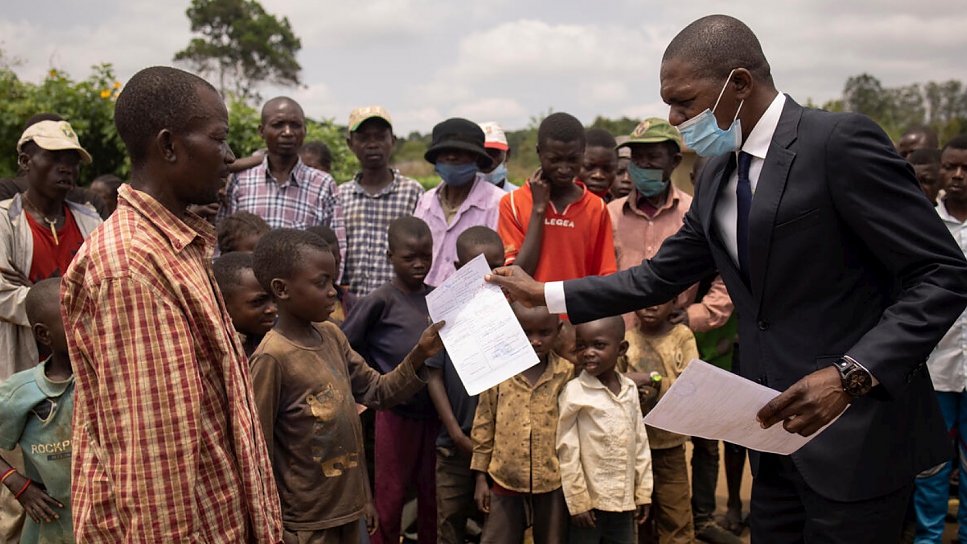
(841, 273)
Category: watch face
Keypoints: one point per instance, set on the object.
(857, 382)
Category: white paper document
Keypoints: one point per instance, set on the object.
(482, 335)
(712, 403)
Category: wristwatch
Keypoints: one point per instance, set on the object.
(857, 381)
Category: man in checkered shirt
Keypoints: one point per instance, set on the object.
(282, 189)
(372, 200)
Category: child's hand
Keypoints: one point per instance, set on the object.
(482, 494)
(541, 192)
(372, 517)
(584, 519)
(430, 342)
(463, 444)
(38, 504)
(641, 513)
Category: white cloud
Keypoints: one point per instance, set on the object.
(506, 111)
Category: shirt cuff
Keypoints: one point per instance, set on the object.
(554, 297)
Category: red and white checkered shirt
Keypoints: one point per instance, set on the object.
(166, 440)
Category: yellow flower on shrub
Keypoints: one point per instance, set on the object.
(106, 93)
(53, 73)
(117, 84)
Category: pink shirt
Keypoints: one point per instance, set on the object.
(637, 237)
(482, 207)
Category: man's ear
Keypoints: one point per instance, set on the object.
(389, 254)
(167, 147)
(744, 83)
(676, 160)
(42, 333)
(280, 289)
(260, 131)
(623, 348)
(23, 161)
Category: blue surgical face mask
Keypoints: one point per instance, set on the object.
(498, 175)
(703, 135)
(648, 181)
(457, 175)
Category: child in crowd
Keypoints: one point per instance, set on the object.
(106, 187)
(600, 162)
(346, 299)
(35, 412)
(514, 432)
(455, 482)
(622, 179)
(372, 200)
(240, 232)
(658, 352)
(499, 151)
(250, 306)
(306, 378)
(464, 199)
(383, 327)
(566, 344)
(553, 227)
(602, 443)
(926, 164)
(316, 154)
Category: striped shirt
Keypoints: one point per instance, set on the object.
(167, 444)
(308, 198)
(367, 221)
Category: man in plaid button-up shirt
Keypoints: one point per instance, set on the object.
(282, 189)
(372, 200)
(166, 440)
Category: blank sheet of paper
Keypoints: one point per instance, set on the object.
(482, 335)
(712, 403)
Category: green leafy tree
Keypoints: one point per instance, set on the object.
(242, 45)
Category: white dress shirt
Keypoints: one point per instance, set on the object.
(948, 362)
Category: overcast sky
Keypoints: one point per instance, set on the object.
(508, 60)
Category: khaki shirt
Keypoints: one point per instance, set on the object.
(603, 447)
(667, 354)
(515, 430)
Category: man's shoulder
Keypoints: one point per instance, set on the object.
(409, 184)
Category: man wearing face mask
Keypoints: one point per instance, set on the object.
(499, 150)
(840, 298)
(464, 199)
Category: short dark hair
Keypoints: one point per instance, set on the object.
(43, 301)
(929, 134)
(228, 269)
(234, 227)
(279, 251)
(155, 99)
(957, 142)
(599, 137)
(475, 237)
(717, 44)
(562, 127)
(614, 324)
(407, 227)
(279, 100)
(319, 149)
(925, 155)
(325, 233)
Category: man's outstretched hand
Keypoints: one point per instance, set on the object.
(518, 285)
(808, 404)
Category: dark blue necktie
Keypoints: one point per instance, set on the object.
(743, 203)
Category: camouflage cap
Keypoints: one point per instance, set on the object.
(652, 131)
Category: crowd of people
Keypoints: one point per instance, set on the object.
(239, 350)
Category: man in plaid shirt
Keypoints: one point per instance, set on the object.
(282, 189)
(372, 200)
(167, 445)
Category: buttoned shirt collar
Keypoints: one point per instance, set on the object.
(180, 233)
(757, 144)
(359, 189)
(296, 176)
(592, 382)
(945, 215)
(635, 198)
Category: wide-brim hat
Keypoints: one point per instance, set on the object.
(459, 134)
(53, 136)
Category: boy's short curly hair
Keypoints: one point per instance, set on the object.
(228, 269)
(599, 137)
(279, 251)
(42, 302)
(234, 227)
(562, 127)
(407, 227)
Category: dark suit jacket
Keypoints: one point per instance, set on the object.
(847, 257)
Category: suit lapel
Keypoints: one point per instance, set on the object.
(720, 169)
(769, 189)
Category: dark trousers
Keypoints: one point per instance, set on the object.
(509, 516)
(609, 528)
(342, 534)
(705, 475)
(670, 518)
(405, 456)
(455, 484)
(786, 511)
